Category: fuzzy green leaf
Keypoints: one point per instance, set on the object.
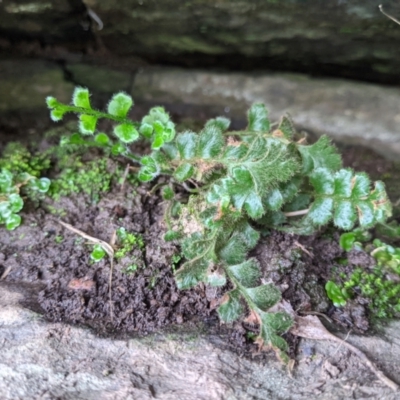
(6, 180)
(16, 202)
(247, 273)
(231, 308)
(210, 142)
(120, 105)
(321, 211)
(191, 273)
(80, 98)
(273, 200)
(150, 163)
(216, 278)
(272, 325)
(321, 154)
(264, 296)
(186, 145)
(286, 126)
(149, 170)
(235, 152)
(323, 181)
(266, 163)
(118, 149)
(87, 124)
(57, 114)
(300, 202)
(361, 185)
(184, 172)
(240, 186)
(126, 133)
(366, 214)
(344, 216)
(12, 222)
(146, 130)
(248, 234)
(169, 131)
(382, 205)
(273, 219)
(52, 102)
(158, 141)
(5, 209)
(146, 176)
(234, 252)
(75, 138)
(102, 139)
(343, 183)
(290, 189)
(258, 118)
(253, 206)
(157, 122)
(221, 123)
(41, 185)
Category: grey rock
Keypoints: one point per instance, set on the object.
(42, 360)
(347, 111)
(339, 37)
(100, 79)
(24, 84)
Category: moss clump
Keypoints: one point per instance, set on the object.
(126, 241)
(382, 292)
(17, 159)
(77, 176)
(380, 286)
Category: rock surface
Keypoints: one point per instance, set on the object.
(347, 111)
(24, 85)
(337, 37)
(42, 360)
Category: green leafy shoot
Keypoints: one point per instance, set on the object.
(354, 239)
(11, 201)
(156, 126)
(98, 253)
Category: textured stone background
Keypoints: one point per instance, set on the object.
(347, 38)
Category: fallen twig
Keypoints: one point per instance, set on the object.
(310, 327)
(108, 248)
(388, 15)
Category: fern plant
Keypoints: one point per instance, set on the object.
(239, 183)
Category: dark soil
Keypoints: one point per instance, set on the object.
(71, 288)
(76, 290)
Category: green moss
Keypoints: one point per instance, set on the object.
(380, 286)
(383, 293)
(126, 241)
(17, 159)
(76, 176)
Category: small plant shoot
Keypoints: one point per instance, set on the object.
(238, 183)
(11, 201)
(98, 253)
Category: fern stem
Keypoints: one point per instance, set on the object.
(296, 213)
(97, 114)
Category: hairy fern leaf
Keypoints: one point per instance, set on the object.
(321, 154)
